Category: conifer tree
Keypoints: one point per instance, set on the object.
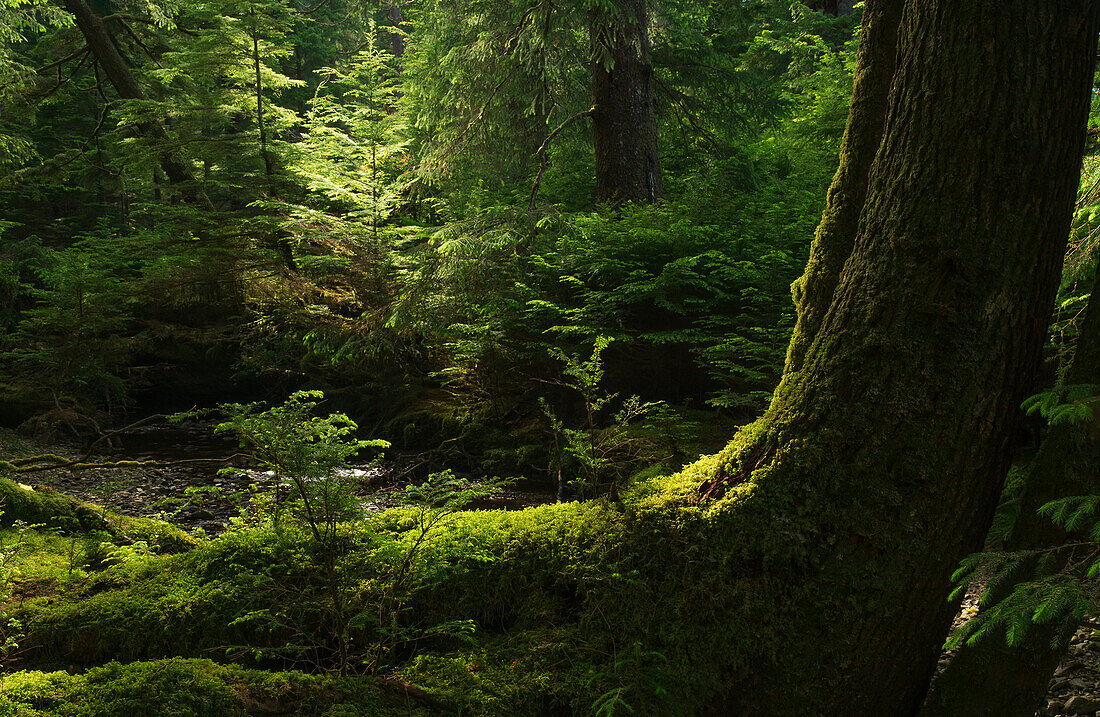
(991, 677)
(934, 330)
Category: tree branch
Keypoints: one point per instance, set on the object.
(541, 153)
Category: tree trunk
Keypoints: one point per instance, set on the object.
(264, 154)
(836, 8)
(397, 40)
(877, 466)
(875, 64)
(991, 679)
(126, 85)
(624, 120)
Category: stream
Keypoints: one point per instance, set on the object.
(164, 491)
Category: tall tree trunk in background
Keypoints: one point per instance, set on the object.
(624, 120)
(878, 465)
(126, 85)
(875, 64)
(269, 168)
(836, 8)
(397, 40)
(991, 679)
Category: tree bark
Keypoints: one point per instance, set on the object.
(397, 40)
(884, 455)
(836, 8)
(269, 169)
(991, 679)
(624, 119)
(875, 65)
(126, 85)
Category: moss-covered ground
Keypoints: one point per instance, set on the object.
(193, 688)
(619, 606)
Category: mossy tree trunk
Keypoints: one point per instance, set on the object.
(875, 64)
(878, 464)
(991, 679)
(624, 119)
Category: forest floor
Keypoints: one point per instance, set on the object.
(168, 493)
(1075, 689)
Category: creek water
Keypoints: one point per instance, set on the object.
(194, 492)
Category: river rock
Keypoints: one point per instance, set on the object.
(1066, 669)
(1082, 705)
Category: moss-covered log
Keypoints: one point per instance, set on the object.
(45, 507)
(196, 688)
(571, 602)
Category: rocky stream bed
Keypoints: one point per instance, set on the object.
(1075, 688)
(196, 493)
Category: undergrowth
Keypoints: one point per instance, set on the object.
(549, 594)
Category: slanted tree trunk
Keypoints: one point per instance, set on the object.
(875, 63)
(878, 464)
(991, 679)
(126, 85)
(624, 120)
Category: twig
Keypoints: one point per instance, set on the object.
(135, 424)
(72, 56)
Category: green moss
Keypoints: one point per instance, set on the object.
(163, 606)
(43, 507)
(188, 688)
(653, 601)
(41, 563)
(161, 537)
(534, 673)
(46, 507)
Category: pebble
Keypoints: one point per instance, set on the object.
(1069, 667)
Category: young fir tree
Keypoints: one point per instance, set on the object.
(351, 154)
